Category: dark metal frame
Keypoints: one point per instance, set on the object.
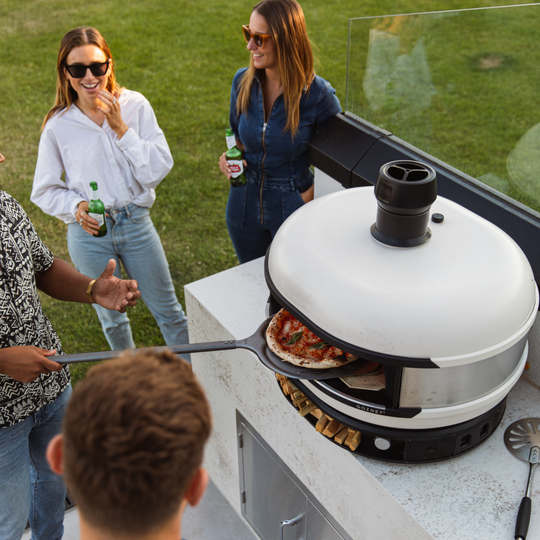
(352, 152)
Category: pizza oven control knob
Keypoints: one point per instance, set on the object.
(382, 444)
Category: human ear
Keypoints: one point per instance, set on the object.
(55, 454)
(197, 487)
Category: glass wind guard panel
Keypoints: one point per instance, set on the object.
(462, 86)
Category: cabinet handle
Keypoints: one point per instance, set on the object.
(287, 522)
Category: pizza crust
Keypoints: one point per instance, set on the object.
(274, 344)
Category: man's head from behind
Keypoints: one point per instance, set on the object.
(133, 439)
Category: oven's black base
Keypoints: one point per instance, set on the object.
(413, 445)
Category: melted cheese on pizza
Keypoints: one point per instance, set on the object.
(295, 338)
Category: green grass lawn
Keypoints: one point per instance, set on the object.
(182, 55)
(467, 95)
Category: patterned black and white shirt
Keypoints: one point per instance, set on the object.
(22, 322)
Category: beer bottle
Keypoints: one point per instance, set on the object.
(96, 210)
(234, 157)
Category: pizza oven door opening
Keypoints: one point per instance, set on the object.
(378, 390)
(404, 392)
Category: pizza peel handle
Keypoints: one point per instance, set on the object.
(255, 343)
(177, 349)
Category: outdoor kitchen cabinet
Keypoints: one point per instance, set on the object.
(273, 500)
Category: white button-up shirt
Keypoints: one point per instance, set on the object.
(126, 170)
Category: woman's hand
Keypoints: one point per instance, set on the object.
(308, 194)
(224, 165)
(90, 225)
(112, 112)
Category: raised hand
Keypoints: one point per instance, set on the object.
(113, 293)
(113, 114)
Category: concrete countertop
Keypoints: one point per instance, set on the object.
(473, 496)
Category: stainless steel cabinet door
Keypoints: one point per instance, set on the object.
(271, 499)
(318, 527)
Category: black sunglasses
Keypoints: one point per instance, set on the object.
(78, 71)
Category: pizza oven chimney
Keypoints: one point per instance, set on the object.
(405, 191)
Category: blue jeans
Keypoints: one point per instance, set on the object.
(28, 487)
(251, 230)
(131, 238)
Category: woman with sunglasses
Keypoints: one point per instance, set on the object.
(277, 104)
(97, 131)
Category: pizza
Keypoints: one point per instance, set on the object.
(289, 339)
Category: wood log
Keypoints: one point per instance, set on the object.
(288, 389)
(349, 438)
(298, 398)
(309, 406)
(341, 436)
(300, 402)
(332, 428)
(357, 437)
(322, 423)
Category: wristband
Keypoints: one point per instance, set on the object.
(89, 291)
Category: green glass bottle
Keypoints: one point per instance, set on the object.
(96, 210)
(234, 157)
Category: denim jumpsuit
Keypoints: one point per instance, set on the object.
(277, 165)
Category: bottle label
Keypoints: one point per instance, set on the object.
(236, 167)
(231, 141)
(98, 217)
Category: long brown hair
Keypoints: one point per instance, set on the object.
(294, 54)
(78, 37)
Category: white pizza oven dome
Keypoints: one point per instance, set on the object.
(455, 289)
